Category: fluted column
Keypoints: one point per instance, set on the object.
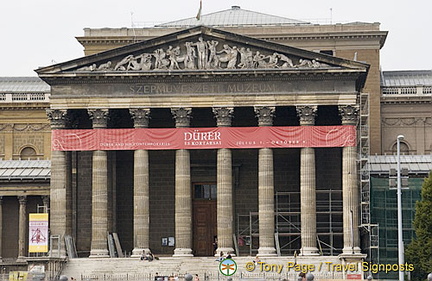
(99, 247)
(307, 187)
(58, 184)
(266, 188)
(22, 227)
(225, 220)
(183, 194)
(350, 192)
(1, 227)
(141, 188)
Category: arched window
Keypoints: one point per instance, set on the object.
(28, 153)
(404, 149)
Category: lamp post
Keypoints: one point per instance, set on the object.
(399, 209)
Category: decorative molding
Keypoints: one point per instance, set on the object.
(140, 117)
(25, 127)
(99, 117)
(265, 115)
(223, 116)
(57, 117)
(307, 114)
(22, 200)
(202, 54)
(409, 121)
(349, 114)
(182, 116)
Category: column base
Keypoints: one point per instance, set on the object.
(21, 259)
(137, 252)
(183, 252)
(309, 251)
(267, 252)
(349, 256)
(99, 254)
(351, 251)
(225, 251)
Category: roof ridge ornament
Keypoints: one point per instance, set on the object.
(204, 55)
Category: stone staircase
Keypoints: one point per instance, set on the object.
(275, 268)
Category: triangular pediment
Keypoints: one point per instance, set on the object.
(201, 49)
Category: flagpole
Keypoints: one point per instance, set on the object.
(198, 16)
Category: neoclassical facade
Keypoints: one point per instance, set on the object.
(119, 167)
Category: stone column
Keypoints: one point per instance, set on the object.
(141, 188)
(225, 220)
(1, 227)
(99, 247)
(58, 186)
(307, 187)
(266, 188)
(183, 194)
(45, 201)
(22, 228)
(350, 191)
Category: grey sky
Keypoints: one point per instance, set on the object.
(38, 33)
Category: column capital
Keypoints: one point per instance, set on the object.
(265, 115)
(182, 116)
(99, 117)
(140, 116)
(223, 116)
(22, 200)
(349, 114)
(57, 118)
(307, 114)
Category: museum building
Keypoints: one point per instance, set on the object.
(182, 134)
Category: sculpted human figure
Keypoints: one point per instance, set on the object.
(272, 60)
(259, 61)
(202, 52)
(122, 65)
(233, 58)
(287, 62)
(88, 68)
(304, 62)
(213, 58)
(243, 58)
(224, 55)
(190, 56)
(172, 56)
(160, 59)
(141, 62)
(104, 66)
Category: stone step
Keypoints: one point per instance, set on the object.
(135, 269)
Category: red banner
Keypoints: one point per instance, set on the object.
(204, 138)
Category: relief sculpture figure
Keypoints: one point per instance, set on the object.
(204, 55)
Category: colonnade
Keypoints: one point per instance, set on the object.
(183, 195)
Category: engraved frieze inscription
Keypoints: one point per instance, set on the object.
(202, 88)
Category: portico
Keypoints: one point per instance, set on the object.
(146, 194)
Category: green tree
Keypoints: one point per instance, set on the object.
(419, 251)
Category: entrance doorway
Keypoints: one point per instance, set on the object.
(204, 218)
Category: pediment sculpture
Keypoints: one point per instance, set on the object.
(203, 55)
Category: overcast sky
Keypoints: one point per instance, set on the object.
(36, 33)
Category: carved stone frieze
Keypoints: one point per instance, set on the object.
(57, 118)
(182, 116)
(349, 114)
(410, 121)
(307, 114)
(265, 115)
(140, 117)
(223, 116)
(202, 54)
(99, 117)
